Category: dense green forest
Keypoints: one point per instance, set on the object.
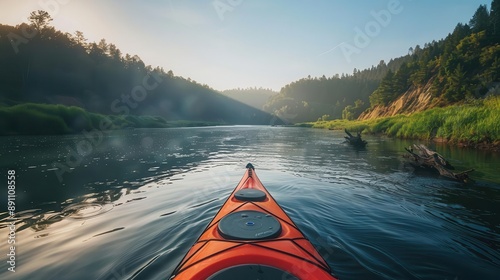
(463, 66)
(39, 64)
(255, 97)
(345, 95)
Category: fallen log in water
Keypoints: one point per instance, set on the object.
(354, 140)
(421, 156)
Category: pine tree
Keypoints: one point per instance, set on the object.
(495, 18)
(481, 19)
(40, 20)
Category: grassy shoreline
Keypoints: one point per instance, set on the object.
(470, 125)
(50, 119)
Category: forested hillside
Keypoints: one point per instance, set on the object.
(39, 64)
(463, 66)
(255, 97)
(330, 97)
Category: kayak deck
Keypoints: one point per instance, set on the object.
(252, 233)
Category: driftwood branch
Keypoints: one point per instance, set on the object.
(421, 156)
(354, 140)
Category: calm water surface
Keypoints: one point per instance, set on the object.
(133, 204)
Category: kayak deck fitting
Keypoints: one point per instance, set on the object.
(251, 237)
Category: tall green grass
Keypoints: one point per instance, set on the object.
(33, 119)
(470, 123)
(38, 119)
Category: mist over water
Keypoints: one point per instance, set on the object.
(133, 206)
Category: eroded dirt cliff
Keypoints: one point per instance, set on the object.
(416, 99)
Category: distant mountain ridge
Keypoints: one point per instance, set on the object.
(255, 97)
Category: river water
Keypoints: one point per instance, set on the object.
(129, 204)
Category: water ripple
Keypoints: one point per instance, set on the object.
(369, 216)
(85, 210)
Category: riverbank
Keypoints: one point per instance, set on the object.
(468, 125)
(50, 119)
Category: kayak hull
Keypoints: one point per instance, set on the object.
(287, 249)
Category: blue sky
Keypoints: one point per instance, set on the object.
(245, 43)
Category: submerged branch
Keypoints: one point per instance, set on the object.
(421, 156)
